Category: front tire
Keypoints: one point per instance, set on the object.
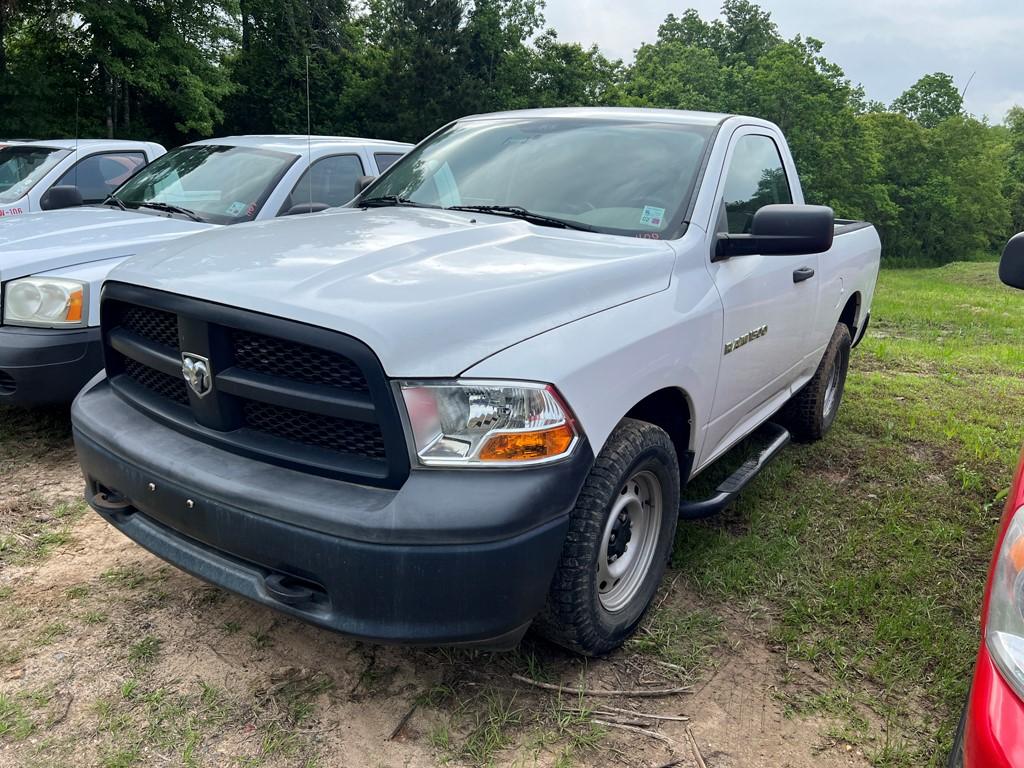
(620, 537)
(810, 412)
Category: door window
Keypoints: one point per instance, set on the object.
(385, 160)
(99, 175)
(756, 178)
(330, 181)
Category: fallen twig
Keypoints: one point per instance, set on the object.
(670, 764)
(638, 693)
(403, 722)
(695, 749)
(606, 709)
(635, 729)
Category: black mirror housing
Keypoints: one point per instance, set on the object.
(1011, 266)
(783, 230)
(56, 198)
(301, 208)
(363, 182)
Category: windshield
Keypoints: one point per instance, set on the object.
(22, 167)
(220, 185)
(628, 177)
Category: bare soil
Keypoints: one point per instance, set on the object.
(110, 657)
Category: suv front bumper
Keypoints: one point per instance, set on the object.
(452, 557)
(41, 366)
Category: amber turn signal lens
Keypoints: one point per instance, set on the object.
(74, 307)
(527, 446)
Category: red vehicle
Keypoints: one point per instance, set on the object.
(991, 732)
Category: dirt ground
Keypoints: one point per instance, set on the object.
(110, 657)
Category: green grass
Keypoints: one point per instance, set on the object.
(871, 547)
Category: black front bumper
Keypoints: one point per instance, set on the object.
(41, 366)
(452, 557)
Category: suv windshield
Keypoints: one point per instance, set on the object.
(217, 184)
(618, 176)
(22, 167)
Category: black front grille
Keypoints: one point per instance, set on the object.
(152, 324)
(315, 430)
(292, 360)
(284, 392)
(159, 383)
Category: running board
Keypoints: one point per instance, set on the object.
(730, 488)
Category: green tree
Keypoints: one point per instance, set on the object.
(930, 100)
(1015, 167)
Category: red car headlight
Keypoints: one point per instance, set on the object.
(1004, 631)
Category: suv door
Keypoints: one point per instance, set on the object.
(329, 181)
(768, 315)
(98, 175)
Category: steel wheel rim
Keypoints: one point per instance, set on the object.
(636, 516)
(832, 389)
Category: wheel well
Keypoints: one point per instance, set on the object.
(669, 409)
(851, 314)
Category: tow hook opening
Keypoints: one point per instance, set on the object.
(294, 591)
(110, 500)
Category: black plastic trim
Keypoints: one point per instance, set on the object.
(216, 419)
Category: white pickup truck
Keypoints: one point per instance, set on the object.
(467, 402)
(45, 175)
(52, 264)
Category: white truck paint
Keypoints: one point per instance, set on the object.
(83, 244)
(28, 169)
(627, 295)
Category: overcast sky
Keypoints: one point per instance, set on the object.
(883, 44)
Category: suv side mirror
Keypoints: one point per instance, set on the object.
(60, 197)
(301, 208)
(790, 230)
(1011, 266)
(363, 182)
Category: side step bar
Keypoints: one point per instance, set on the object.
(738, 480)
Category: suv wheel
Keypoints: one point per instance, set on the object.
(620, 537)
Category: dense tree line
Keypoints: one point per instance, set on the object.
(940, 184)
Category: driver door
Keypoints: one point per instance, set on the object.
(768, 313)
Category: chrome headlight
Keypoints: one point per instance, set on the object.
(487, 423)
(47, 302)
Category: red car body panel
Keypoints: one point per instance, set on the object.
(994, 724)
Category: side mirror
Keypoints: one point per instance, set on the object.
(784, 230)
(1011, 266)
(60, 197)
(301, 208)
(363, 182)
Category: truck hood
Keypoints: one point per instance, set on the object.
(39, 242)
(431, 292)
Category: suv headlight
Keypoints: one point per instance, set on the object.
(487, 423)
(48, 302)
(1004, 631)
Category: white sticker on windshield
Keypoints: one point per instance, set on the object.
(237, 208)
(652, 217)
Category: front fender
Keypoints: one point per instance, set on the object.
(606, 363)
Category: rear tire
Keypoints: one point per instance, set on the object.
(620, 537)
(810, 412)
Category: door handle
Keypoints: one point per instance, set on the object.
(803, 273)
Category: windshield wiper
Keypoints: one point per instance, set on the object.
(518, 212)
(174, 209)
(390, 200)
(116, 201)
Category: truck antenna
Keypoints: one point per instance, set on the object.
(964, 91)
(309, 140)
(77, 99)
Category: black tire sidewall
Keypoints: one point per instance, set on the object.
(840, 356)
(615, 627)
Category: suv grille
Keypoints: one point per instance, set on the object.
(283, 392)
